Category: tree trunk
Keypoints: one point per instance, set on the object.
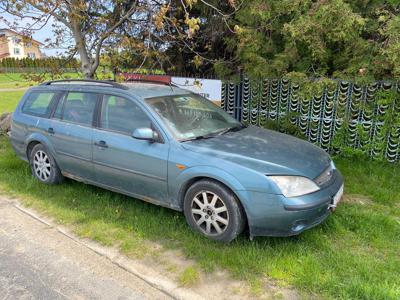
(87, 71)
(86, 62)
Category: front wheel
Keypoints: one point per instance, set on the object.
(43, 165)
(213, 210)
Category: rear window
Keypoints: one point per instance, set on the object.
(38, 103)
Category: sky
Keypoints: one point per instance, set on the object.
(40, 35)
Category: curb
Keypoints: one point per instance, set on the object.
(162, 284)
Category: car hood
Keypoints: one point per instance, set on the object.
(266, 151)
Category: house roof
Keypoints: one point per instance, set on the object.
(20, 34)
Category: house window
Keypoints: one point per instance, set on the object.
(16, 40)
(16, 51)
(29, 44)
(32, 55)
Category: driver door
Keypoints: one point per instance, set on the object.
(132, 166)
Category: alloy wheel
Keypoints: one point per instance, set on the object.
(210, 213)
(41, 165)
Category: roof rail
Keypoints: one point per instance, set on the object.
(90, 81)
(150, 81)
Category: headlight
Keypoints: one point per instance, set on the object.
(293, 186)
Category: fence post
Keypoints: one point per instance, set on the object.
(238, 98)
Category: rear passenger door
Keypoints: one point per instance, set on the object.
(133, 166)
(71, 133)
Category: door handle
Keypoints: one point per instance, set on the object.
(101, 144)
(50, 130)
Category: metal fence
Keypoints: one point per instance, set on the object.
(354, 115)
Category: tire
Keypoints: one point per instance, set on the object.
(43, 165)
(221, 218)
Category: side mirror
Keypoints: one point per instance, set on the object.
(147, 134)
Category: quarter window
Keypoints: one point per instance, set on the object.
(79, 108)
(122, 115)
(38, 103)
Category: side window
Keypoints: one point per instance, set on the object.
(79, 107)
(38, 103)
(122, 115)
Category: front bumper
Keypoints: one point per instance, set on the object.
(276, 215)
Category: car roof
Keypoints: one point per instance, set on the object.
(150, 90)
(140, 89)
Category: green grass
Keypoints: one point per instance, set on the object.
(10, 77)
(189, 277)
(353, 255)
(13, 80)
(8, 100)
(16, 80)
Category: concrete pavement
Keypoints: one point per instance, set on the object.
(39, 262)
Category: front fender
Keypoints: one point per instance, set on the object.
(178, 185)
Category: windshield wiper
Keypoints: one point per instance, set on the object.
(200, 137)
(230, 129)
(214, 134)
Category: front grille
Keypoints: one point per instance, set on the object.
(325, 176)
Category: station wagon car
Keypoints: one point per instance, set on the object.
(168, 146)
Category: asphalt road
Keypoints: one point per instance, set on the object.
(38, 262)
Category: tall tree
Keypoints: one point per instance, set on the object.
(92, 27)
(340, 38)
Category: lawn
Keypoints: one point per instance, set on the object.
(8, 100)
(13, 80)
(16, 80)
(353, 255)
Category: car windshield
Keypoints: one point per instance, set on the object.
(191, 116)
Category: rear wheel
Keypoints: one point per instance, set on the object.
(213, 210)
(43, 165)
